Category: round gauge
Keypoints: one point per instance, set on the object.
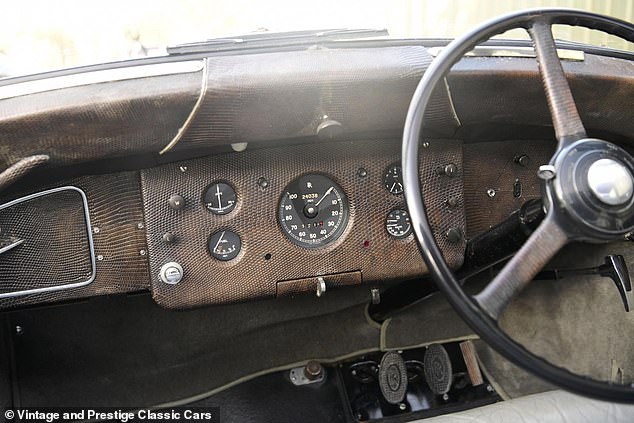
(313, 211)
(398, 224)
(394, 179)
(225, 245)
(220, 198)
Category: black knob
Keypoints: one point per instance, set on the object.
(168, 238)
(452, 202)
(449, 169)
(454, 235)
(313, 370)
(177, 202)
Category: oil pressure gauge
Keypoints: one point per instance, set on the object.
(225, 245)
(398, 224)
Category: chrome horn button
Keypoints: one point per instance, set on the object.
(611, 182)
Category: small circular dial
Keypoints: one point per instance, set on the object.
(394, 179)
(220, 198)
(225, 245)
(313, 211)
(398, 224)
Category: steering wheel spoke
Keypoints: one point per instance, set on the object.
(565, 116)
(542, 245)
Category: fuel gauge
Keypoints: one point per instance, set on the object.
(398, 224)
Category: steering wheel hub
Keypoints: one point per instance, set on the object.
(610, 181)
(595, 189)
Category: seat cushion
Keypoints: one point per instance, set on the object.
(547, 407)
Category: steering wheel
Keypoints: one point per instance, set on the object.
(587, 191)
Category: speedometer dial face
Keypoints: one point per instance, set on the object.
(313, 211)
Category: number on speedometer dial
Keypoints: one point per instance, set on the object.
(313, 211)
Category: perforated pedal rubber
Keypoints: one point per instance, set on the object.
(393, 377)
(438, 371)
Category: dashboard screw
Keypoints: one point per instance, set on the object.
(100, 257)
(142, 252)
(425, 144)
(491, 192)
(183, 169)
(96, 230)
(402, 406)
(452, 202)
(19, 330)
(362, 173)
(140, 225)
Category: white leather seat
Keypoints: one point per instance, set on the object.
(547, 407)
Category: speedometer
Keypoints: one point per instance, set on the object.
(313, 211)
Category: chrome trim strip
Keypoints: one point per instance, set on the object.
(11, 246)
(190, 118)
(492, 51)
(97, 77)
(90, 242)
(452, 107)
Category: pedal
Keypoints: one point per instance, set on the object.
(438, 370)
(471, 361)
(393, 377)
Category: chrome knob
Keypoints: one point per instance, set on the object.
(171, 273)
(321, 286)
(610, 181)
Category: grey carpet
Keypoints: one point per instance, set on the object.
(576, 323)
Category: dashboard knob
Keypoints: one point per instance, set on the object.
(171, 273)
(449, 170)
(169, 238)
(329, 129)
(177, 202)
(321, 286)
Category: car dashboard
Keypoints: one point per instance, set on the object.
(211, 179)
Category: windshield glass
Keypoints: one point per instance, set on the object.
(42, 35)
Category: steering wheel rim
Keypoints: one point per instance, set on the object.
(467, 307)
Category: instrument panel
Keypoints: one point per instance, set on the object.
(168, 235)
(292, 219)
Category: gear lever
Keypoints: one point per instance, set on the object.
(614, 267)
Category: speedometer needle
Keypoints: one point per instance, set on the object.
(324, 196)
